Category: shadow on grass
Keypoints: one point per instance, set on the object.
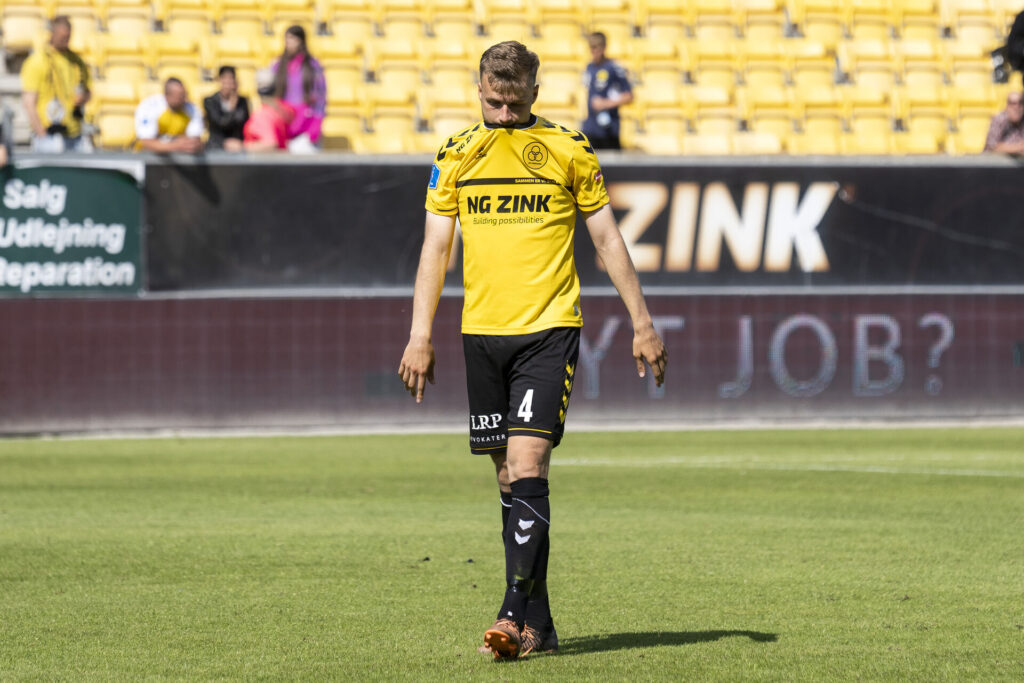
(628, 641)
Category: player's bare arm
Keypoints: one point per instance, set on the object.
(647, 345)
(417, 366)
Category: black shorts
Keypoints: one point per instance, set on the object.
(519, 385)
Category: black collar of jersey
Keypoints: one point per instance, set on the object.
(527, 124)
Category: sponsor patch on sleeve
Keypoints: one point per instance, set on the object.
(435, 173)
(597, 176)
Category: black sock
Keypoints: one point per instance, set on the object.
(525, 537)
(538, 609)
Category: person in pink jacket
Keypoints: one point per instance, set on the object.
(299, 81)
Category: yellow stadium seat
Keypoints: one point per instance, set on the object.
(757, 143)
(237, 51)
(558, 106)
(708, 144)
(871, 132)
(241, 18)
(821, 135)
(280, 14)
(189, 18)
(715, 123)
(651, 12)
(127, 17)
(954, 12)
(768, 109)
(971, 133)
(617, 12)
(927, 132)
(668, 31)
(919, 20)
(392, 133)
(121, 57)
(116, 129)
(340, 131)
(454, 28)
(403, 27)
(172, 54)
(21, 28)
(452, 122)
(351, 19)
(562, 54)
(765, 62)
(753, 13)
(660, 144)
(113, 94)
(716, 63)
(665, 122)
(456, 103)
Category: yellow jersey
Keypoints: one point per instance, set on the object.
(55, 76)
(515, 191)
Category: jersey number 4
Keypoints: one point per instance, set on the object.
(526, 407)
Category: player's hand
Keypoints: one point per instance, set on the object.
(417, 367)
(648, 347)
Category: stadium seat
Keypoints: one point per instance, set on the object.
(765, 62)
(453, 25)
(660, 144)
(171, 55)
(708, 144)
(238, 51)
(561, 53)
(351, 19)
(971, 133)
(768, 109)
(392, 133)
(822, 134)
(926, 132)
(757, 143)
(116, 129)
(559, 106)
(760, 20)
(403, 20)
(716, 63)
(120, 57)
(22, 26)
(241, 18)
(280, 14)
(919, 20)
(560, 20)
(134, 17)
(341, 131)
(871, 132)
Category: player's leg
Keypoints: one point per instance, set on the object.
(541, 382)
(487, 386)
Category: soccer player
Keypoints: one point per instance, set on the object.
(515, 181)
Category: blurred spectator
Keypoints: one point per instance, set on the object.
(168, 122)
(1006, 132)
(54, 90)
(608, 89)
(299, 81)
(267, 129)
(226, 113)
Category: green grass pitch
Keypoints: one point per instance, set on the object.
(723, 556)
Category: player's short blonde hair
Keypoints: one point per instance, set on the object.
(509, 67)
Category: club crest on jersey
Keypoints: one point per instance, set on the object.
(435, 173)
(535, 155)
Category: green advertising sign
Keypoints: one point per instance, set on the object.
(70, 230)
